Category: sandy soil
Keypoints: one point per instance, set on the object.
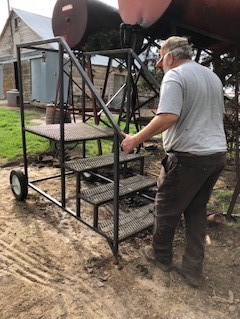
(54, 267)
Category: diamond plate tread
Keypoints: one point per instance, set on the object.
(130, 223)
(73, 132)
(88, 163)
(104, 193)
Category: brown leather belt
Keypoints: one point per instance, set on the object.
(186, 154)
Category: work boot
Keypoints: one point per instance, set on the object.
(194, 281)
(150, 256)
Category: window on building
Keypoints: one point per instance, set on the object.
(17, 23)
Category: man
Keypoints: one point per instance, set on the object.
(190, 115)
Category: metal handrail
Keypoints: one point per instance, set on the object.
(62, 42)
(104, 106)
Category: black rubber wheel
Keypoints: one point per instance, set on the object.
(19, 186)
(87, 177)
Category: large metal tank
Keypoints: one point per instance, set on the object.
(77, 20)
(215, 19)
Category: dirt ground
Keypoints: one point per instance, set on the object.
(54, 267)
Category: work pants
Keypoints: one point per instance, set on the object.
(184, 187)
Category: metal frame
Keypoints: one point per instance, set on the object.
(130, 56)
(132, 60)
(63, 49)
(237, 186)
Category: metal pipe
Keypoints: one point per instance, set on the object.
(78, 200)
(106, 77)
(49, 177)
(62, 139)
(237, 187)
(129, 91)
(92, 88)
(116, 194)
(236, 98)
(24, 146)
(112, 98)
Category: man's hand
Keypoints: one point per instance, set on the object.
(158, 124)
(129, 143)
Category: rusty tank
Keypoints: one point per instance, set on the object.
(77, 20)
(211, 24)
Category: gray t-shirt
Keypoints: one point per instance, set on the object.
(194, 93)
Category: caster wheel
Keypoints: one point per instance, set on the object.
(87, 177)
(19, 186)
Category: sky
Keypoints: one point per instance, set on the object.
(42, 7)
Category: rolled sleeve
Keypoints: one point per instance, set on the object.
(171, 98)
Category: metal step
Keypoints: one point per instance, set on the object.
(89, 163)
(104, 193)
(129, 223)
(73, 132)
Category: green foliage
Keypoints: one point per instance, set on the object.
(11, 136)
(107, 145)
(92, 147)
(103, 40)
(105, 121)
(237, 224)
(226, 66)
(150, 60)
(220, 201)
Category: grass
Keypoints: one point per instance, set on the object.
(107, 145)
(11, 136)
(92, 147)
(223, 197)
(219, 203)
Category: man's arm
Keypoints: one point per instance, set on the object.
(158, 124)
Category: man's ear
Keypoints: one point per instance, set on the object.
(169, 58)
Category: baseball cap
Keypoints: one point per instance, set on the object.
(171, 44)
(159, 63)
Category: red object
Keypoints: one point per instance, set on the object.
(142, 12)
(159, 63)
(76, 20)
(214, 18)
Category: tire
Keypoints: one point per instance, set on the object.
(19, 185)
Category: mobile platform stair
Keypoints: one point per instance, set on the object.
(120, 225)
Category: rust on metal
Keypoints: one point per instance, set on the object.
(76, 20)
(215, 18)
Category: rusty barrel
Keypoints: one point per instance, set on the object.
(77, 20)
